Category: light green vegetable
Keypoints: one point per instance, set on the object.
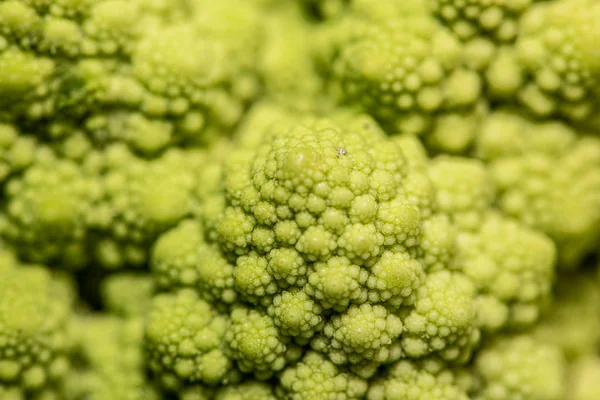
(305, 200)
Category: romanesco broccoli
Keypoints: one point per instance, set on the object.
(304, 200)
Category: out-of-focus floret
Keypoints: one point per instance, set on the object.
(182, 258)
(140, 199)
(127, 294)
(520, 367)
(573, 321)
(553, 68)
(496, 19)
(47, 211)
(584, 379)
(109, 360)
(512, 268)
(547, 177)
(404, 72)
(35, 310)
(418, 380)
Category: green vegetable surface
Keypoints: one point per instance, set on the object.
(299, 200)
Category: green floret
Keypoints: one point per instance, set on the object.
(338, 197)
(110, 360)
(47, 211)
(181, 258)
(394, 279)
(519, 367)
(116, 73)
(208, 168)
(443, 319)
(573, 322)
(464, 189)
(34, 340)
(362, 333)
(512, 269)
(553, 68)
(140, 200)
(251, 390)
(252, 279)
(127, 294)
(145, 135)
(315, 377)
(287, 267)
(184, 341)
(255, 343)
(454, 132)
(175, 255)
(242, 36)
(181, 86)
(413, 149)
(408, 380)
(437, 244)
(379, 11)
(548, 177)
(287, 62)
(50, 41)
(497, 19)
(100, 93)
(17, 151)
(404, 71)
(337, 283)
(24, 79)
(240, 42)
(296, 314)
